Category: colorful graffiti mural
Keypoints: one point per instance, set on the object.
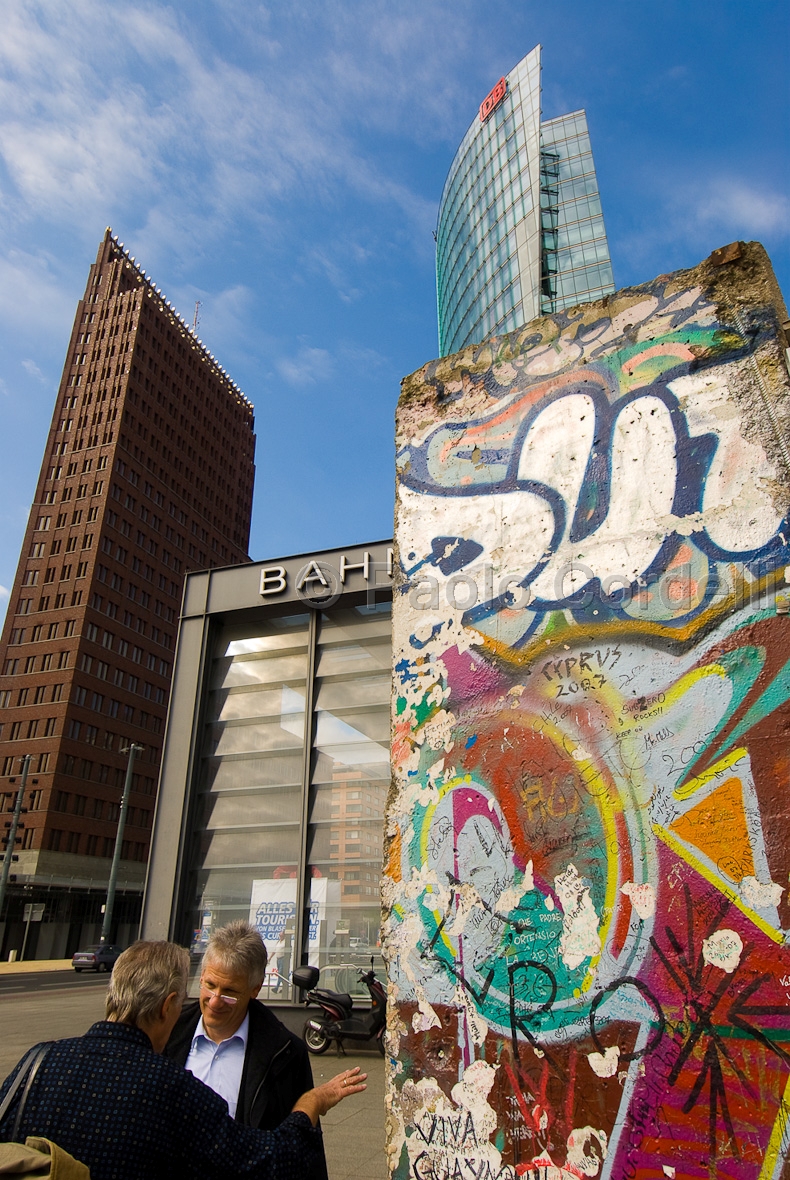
(587, 879)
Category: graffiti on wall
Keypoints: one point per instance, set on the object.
(586, 885)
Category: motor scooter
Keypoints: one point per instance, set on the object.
(338, 1021)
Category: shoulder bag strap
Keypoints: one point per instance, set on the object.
(17, 1082)
(26, 1074)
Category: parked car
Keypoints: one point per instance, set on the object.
(96, 958)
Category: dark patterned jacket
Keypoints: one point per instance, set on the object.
(132, 1114)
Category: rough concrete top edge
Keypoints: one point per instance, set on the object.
(732, 276)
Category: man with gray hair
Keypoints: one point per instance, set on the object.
(115, 1103)
(233, 1042)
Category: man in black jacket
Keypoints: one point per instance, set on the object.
(232, 1042)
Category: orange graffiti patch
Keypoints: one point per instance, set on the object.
(717, 827)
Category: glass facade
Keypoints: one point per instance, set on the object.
(575, 266)
(291, 780)
(520, 229)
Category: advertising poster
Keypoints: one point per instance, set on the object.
(273, 913)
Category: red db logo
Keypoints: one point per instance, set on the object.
(493, 99)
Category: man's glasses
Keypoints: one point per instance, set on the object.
(212, 991)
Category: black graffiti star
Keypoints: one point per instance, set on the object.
(689, 973)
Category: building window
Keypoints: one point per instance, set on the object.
(54, 838)
(91, 734)
(57, 692)
(43, 767)
(74, 730)
(73, 842)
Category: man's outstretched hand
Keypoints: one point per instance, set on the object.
(318, 1101)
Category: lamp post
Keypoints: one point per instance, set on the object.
(9, 851)
(132, 750)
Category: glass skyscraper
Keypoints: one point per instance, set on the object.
(520, 230)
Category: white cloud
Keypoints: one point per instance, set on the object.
(32, 368)
(32, 297)
(308, 366)
(742, 208)
(106, 107)
(4, 592)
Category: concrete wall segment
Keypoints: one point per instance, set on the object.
(585, 891)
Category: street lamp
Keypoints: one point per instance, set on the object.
(14, 824)
(132, 750)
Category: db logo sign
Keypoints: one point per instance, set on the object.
(493, 99)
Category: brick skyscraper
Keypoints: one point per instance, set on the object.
(147, 473)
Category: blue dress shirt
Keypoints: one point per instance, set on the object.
(220, 1065)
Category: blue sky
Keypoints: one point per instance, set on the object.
(282, 163)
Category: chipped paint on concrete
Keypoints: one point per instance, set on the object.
(723, 949)
(580, 938)
(643, 898)
(605, 1064)
(585, 904)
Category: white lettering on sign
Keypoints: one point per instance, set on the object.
(311, 573)
(273, 579)
(363, 565)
